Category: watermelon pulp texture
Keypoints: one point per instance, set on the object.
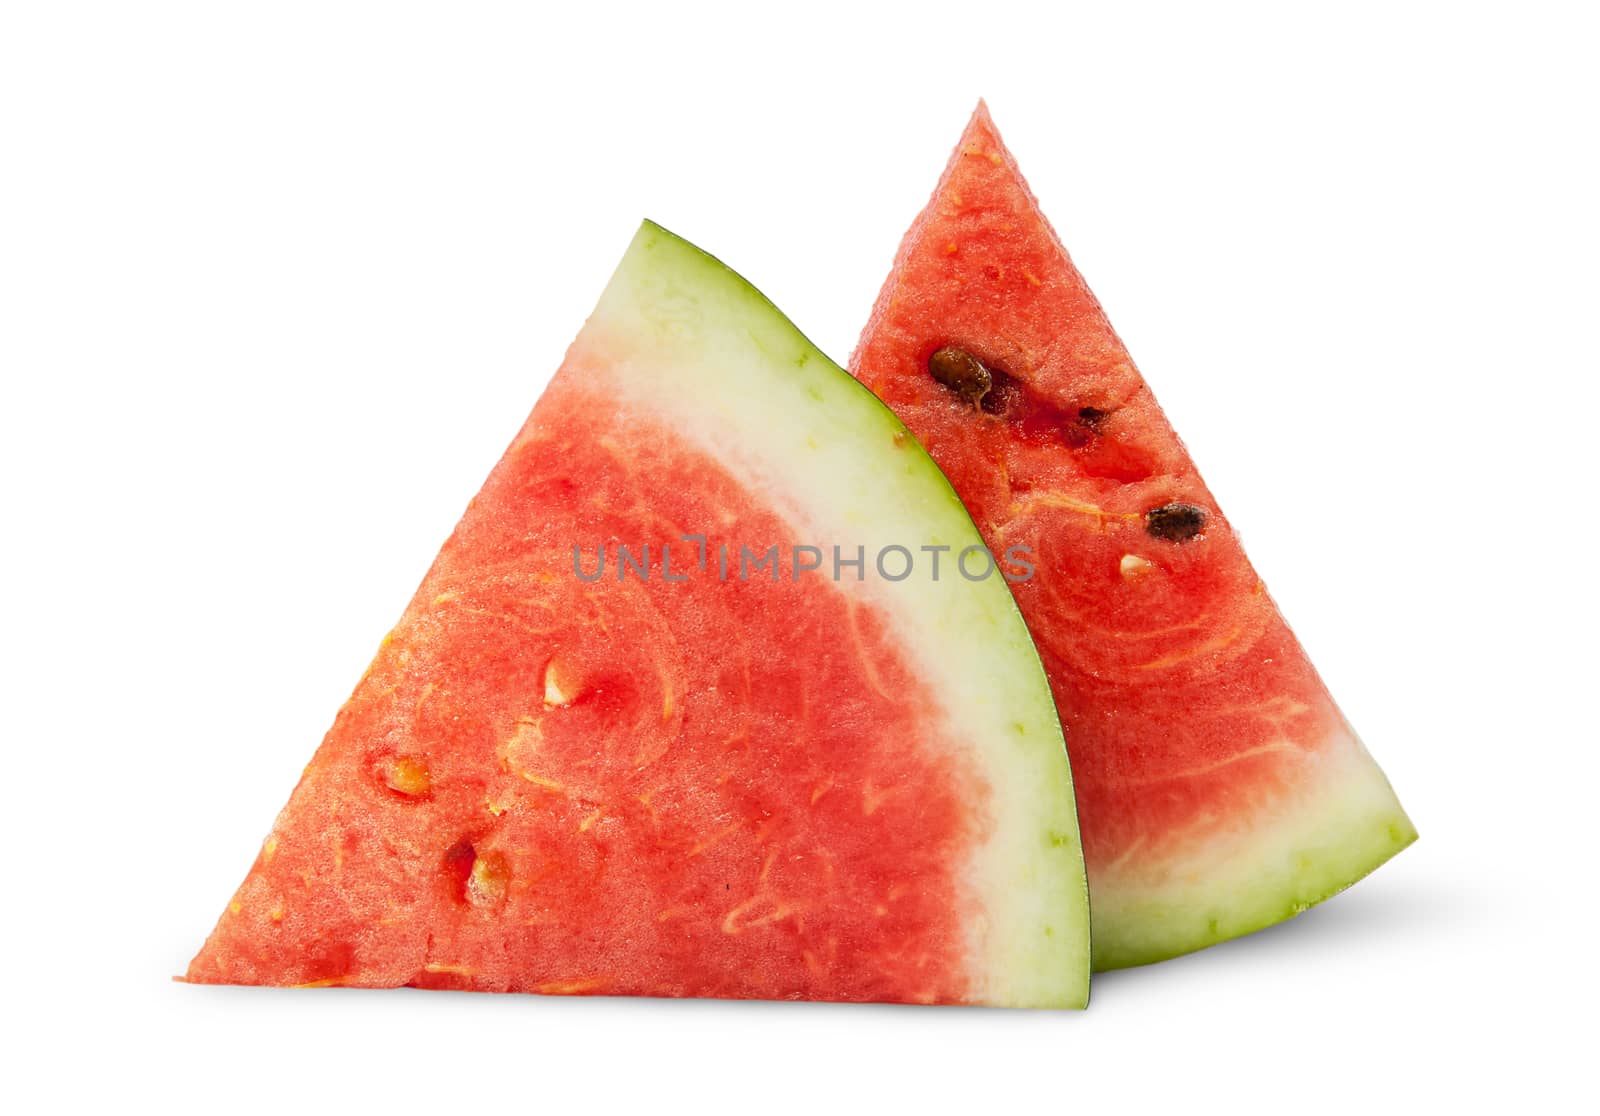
(777, 788)
(1219, 788)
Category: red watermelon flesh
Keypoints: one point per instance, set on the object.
(1219, 787)
(774, 787)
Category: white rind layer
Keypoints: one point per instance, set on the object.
(1338, 822)
(688, 342)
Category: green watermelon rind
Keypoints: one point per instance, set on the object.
(768, 402)
(1344, 825)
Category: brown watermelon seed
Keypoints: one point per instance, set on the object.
(1091, 417)
(961, 372)
(1175, 522)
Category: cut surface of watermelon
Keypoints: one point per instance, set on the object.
(688, 783)
(1219, 788)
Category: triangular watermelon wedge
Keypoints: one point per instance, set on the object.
(1219, 788)
(818, 777)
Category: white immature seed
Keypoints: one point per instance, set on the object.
(1133, 566)
(559, 689)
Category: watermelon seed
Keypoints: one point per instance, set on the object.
(408, 776)
(1175, 522)
(486, 885)
(961, 372)
(559, 686)
(1091, 417)
(1133, 566)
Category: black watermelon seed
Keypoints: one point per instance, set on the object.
(1175, 522)
(961, 372)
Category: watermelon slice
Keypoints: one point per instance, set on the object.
(1219, 788)
(702, 772)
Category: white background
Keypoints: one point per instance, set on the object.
(278, 283)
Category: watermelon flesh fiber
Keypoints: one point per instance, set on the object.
(734, 788)
(1219, 788)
